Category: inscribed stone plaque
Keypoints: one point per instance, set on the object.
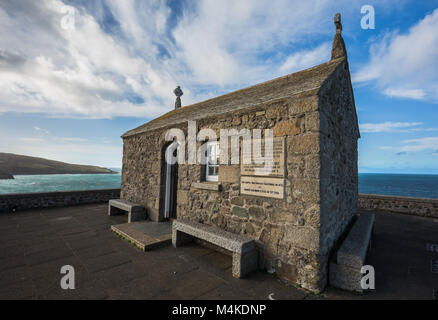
(262, 187)
(272, 168)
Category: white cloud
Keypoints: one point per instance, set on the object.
(404, 65)
(417, 94)
(83, 72)
(71, 150)
(388, 126)
(69, 139)
(31, 140)
(415, 145)
(305, 59)
(212, 47)
(41, 130)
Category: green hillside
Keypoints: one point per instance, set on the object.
(13, 164)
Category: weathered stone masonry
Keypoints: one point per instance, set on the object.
(422, 207)
(314, 111)
(43, 200)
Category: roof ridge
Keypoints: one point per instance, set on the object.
(192, 107)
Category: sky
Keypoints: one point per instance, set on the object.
(76, 75)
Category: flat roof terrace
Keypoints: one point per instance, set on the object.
(35, 244)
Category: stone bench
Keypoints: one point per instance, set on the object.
(245, 254)
(135, 211)
(345, 270)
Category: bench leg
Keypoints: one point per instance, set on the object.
(139, 215)
(345, 277)
(112, 211)
(180, 238)
(244, 263)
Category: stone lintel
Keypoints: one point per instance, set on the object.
(211, 186)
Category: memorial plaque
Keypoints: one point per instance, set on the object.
(274, 168)
(262, 187)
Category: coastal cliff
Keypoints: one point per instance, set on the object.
(13, 164)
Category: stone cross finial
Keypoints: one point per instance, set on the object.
(178, 92)
(338, 48)
(338, 24)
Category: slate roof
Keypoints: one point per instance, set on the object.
(283, 87)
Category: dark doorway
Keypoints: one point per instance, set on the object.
(171, 182)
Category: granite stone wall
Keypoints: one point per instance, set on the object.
(422, 207)
(287, 230)
(26, 201)
(339, 173)
(295, 235)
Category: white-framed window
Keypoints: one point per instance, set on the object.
(212, 163)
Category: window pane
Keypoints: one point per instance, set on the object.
(212, 160)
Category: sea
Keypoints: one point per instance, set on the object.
(412, 185)
(61, 182)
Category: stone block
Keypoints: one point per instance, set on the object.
(260, 113)
(154, 214)
(238, 201)
(183, 196)
(286, 271)
(303, 144)
(211, 186)
(301, 106)
(306, 190)
(240, 212)
(313, 122)
(276, 111)
(345, 271)
(345, 277)
(229, 174)
(245, 254)
(236, 121)
(288, 128)
(135, 211)
(257, 213)
(354, 249)
(301, 237)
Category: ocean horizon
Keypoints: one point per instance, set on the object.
(409, 185)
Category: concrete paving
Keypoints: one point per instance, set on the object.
(401, 256)
(146, 235)
(34, 245)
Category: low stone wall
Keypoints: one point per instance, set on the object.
(25, 201)
(423, 207)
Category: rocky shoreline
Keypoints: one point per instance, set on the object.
(5, 176)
